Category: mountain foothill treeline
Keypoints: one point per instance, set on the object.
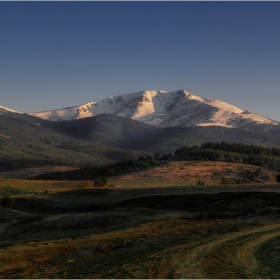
(228, 152)
(24, 144)
(128, 134)
(232, 152)
(106, 139)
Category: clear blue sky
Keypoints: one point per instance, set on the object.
(60, 54)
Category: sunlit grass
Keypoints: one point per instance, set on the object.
(150, 183)
(21, 187)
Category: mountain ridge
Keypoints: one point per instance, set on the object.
(161, 109)
(165, 109)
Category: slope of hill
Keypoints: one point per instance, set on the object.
(165, 109)
(24, 144)
(109, 129)
(18, 115)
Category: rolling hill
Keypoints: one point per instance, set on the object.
(24, 144)
(125, 133)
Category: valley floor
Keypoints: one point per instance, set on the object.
(172, 248)
(156, 226)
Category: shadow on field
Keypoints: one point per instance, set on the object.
(134, 233)
(77, 212)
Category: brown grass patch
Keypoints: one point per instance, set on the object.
(190, 171)
(159, 249)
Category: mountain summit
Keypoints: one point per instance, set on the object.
(165, 109)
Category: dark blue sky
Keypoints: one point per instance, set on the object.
(59, 54)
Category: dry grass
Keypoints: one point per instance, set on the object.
(186, 173)
(145, 228)
(15, 186)
(159, 249)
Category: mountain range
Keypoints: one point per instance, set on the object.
(166, 109)
(127, 126)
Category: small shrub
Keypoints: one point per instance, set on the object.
(200, 182)
(111, 172)
(45, 192)
(6, 200)
(265, 177)
(259, 172)
(216, 173)
(100, 182)
(225, 181)
(239, 181)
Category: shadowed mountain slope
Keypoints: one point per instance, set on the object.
(109, 129)
(24, 144)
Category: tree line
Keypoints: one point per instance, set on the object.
(229, 152)
(95, 172)
(232, 152)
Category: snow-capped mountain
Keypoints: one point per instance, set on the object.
(164, 109)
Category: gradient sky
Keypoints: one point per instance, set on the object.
(59, 54)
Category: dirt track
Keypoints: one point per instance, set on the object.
(228, 256)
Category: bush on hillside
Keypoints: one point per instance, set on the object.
(6, 200)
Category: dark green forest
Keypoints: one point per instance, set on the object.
(24, 144)
(96, 172)
(232, 152)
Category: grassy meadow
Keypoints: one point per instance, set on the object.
(157, 223)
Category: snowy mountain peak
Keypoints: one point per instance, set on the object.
(165, 108)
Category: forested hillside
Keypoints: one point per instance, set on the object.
(227, 152)
(106, 139)
(125, 133)
(232, 152)
(23, 144)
